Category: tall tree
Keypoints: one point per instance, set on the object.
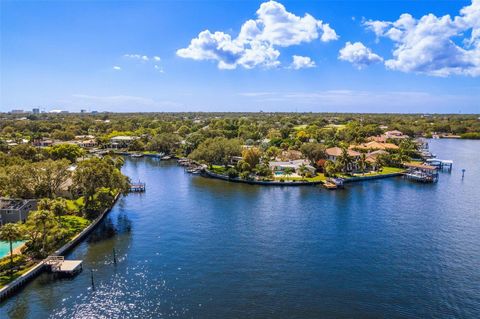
(217, 150)
(362, 162)
(344, 160)
(40, 225)
(252, 156)
(313, 151)
(65, 151)
(10, 232)
(96, 173)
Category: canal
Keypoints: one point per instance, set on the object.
(192, 247)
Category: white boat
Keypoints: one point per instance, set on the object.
(166, 157)
(136, 155)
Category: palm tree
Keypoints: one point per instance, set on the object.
(10, 232)
(43, 221)
(379, 162)
(329, 168)
(288, 171)
(363, 162)
(344, 160)
(303, 170)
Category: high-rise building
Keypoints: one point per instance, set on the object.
(36, 110)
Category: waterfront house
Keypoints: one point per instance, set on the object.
(15, 210)
(122, 141)
(87, 143)
(333, 153)
(291, 155)
(395, 134)
(280, 166)
(371, 158)
(42, 142)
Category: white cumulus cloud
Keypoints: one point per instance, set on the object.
(302, 62)
(437, 46)
(359, 55)
(116, 68)
(258, 40)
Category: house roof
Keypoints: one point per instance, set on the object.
(394, 132)
(374, 145)
(293, 164)
(421, 166)
(12, 203)
(381, 138)
(337, 151)
(123, 138)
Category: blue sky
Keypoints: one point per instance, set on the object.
(305, 56)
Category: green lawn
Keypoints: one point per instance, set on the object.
(385, 170)
(218, 169)
(319, 178)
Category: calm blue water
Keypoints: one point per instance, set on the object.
(192, 247)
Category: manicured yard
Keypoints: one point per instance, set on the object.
(320, 177)
(385, 171)
(217, 169)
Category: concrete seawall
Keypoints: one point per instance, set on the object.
(18, 283)
(299, 183)
(253, 182)
(368, 178)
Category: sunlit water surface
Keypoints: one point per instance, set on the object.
(192, 247)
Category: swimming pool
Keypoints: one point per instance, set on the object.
(5, 247)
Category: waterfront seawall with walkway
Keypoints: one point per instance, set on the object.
(19, 282)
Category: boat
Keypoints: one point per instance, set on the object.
(183, 162)
(166, 157)
(329, 185)
(136, 155)
(333, 183)
(194, 170)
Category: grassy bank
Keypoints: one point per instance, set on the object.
(68, 227)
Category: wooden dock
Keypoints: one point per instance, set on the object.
(59, 265)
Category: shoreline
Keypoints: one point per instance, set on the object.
(18, 283)
(207, 173)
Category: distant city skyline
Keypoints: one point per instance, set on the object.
(241, 56)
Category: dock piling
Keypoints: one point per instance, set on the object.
(91, 276)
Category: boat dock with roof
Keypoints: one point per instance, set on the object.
(442, 164)
(421, 173)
